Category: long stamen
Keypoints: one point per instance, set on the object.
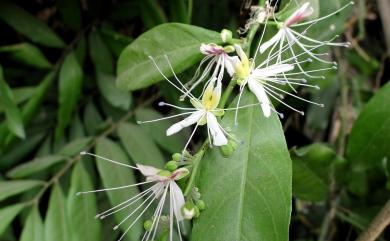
(175, 106)
(166, 78)
(165, 118)
(177, 220)
(109, 160)
(276, 98)
(260, 41)
(113, 188)
(192, 134)
(177, 79)
(159, 213)
(324, 17)
(128, 204)
(300, 98)
(156, 218)
(141, 194)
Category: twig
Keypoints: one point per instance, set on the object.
(384, 11)
(380, 222)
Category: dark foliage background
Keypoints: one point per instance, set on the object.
(58, 97)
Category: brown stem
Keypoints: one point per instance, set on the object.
(380, 222)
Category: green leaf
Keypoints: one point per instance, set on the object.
(100, 55)
(24, 148)
(71, 77)
(136, 71)
(25, 23)
(140, 146)
(115, 176)
(115, 96)
(92, 118)
(33, 228)
(312, 166)
(157, 131)
(12, 112)
(82, 209)
(248, 195)
(12, 188)
(115, 41)
(35, 166)
(27, 54)
(370, 135)
(57, 222)
(70, 12)
(77, 128)
(74, 147)
(151, 13)
(8, 214)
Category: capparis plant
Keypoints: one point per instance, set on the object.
(181, 120)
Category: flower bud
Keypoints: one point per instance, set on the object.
(197, 212)
(176, 157)
(164, 173)
(229, 49)
(188, 210)
(201, 205)
(226, 35)
(148, 225)
(228, 149)
(171, 166)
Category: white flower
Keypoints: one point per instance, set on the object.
(163, 184)
(263, 79)
(217, 60)
(204, 112)
(286, 37)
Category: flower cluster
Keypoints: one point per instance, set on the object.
(277, 63)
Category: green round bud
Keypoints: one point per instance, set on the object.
(148, 225)
(229, 49)
(176, 157)
(201, 205)
(171, 166)
(197, 212)
(164, 173)
(188, 210)
(226, 35)
(226, 150)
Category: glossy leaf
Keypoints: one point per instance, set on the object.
(57, 220)
(12, 112)
(311, 171)
(36, 165)
(33, 228)
(115, 96)
(100, 55)
(74, 147)
(71, 77)
(11, 188)
(140, 146)
(82, 209)
(115, 41)
(135, 70)
(370, 135)
(8, 214)
(157, 130)
(115, 176)
(25, 23)
(92, 118)
(27, 54)
(248, 195)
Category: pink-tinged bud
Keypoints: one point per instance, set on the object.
(299, 15)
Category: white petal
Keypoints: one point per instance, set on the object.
(272, 70)
(148, 171)
(219, 138)
(192, 119)
(178, 200)
(259, 92)
(275, 39)
(230, 63)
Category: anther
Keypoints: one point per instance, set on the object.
(115, 228)
(83, 153)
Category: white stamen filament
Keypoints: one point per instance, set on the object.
(109, 160)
